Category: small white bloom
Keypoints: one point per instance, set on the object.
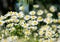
(48, 20)
(14, 17)
(45, 11)
(25, 25)
(2, 17)
(21, 8)
(22, 22)
(55, 20)
(11, 13)
(36, 6)
(39, 19)
(9, 20)
(45, 27)
(12, 29)
(54, 26)
(27, 17)
(27, 32)
(1, 23)
(49, 14)
(59, 15)
(32, 27)
(29, 22)
(16, 20)
(20, 14)
(32, 12)
(10, 25)
(34, 22)
(48, 33)
(41, 32)
(40, 12)
(52, 8)
(33, 17)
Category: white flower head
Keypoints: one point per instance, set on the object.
(10, 25)
(29, 22)
(25, 25)
(11, 13)
(55, 20)
(16, 20)
(22, 22)
(34, 22)
(20, 14)
(13, 17)
(33, 17)
(49, 14)
(2, 17)
(52, 8)
(21, 8)
(40, 12)
(59, 15)
(32, 27)
(36, 6)
(27, 17)
(32, 12)
(1, 23)
(48, 20)
(39, 19)
(27, 32)
(41, 32)
(45, 11)
(48, 33)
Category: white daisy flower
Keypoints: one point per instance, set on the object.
(48, 20)
(32, 12)
(11, 13)
(45, 27)
(34, 22)
(40, 12)
(52, 8)
(36, 6)
(49, 14)
(16, 20)
(48, 33)
(22, 22)
(33, 17)
(27, 17)
(2, 17)
(14, 17)
(59, 15)
(41, 32)
(25, 25)
(39, 19)
(32, 27)
(12, 29)
(9, 20)
(27, 32)
(45, 11)
(54, 26)
(10, 25)
(29, 22)
(21, 8)
(55, 20)
(1, 23)
(20, 14)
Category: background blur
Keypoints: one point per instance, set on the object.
(13, 5)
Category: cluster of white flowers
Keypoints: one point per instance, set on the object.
(38, 23)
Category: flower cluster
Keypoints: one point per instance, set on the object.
(39, 24)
